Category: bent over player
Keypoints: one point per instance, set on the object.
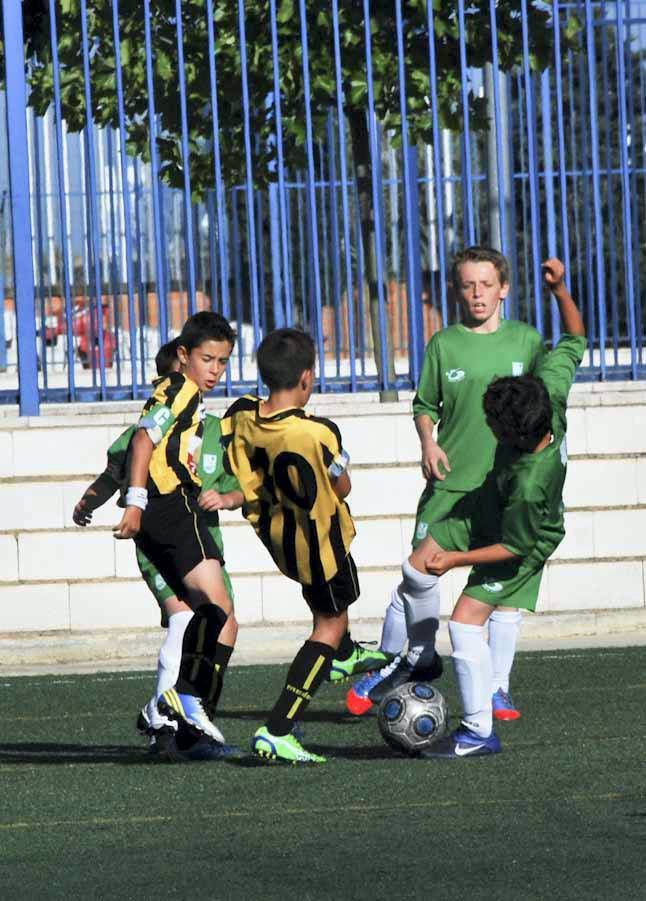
(292, 469)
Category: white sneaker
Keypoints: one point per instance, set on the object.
(150, 720)
(190, 709)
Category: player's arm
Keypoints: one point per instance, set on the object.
(105, 485)
(426, 412)
(554, 276)
(213, 500)
(137, 494)
(442, 561)
(94, 496)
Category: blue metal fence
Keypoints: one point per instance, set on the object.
(101, 261)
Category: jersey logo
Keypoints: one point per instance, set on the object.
(161, 416)
(455, 375)
(210, 462)
(421, 531)
(492, 586)
(517, 368)
(563, 452)
(160, 584)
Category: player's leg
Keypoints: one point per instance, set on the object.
(504, 626)
(473, 672)
(419, 595)
(329, 604)
(197, 680)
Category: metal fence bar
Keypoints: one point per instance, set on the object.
(437, 161)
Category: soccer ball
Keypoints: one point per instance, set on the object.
(413, 716)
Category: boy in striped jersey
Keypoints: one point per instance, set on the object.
(292, 469)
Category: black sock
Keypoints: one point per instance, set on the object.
(308, 669)
(201, 634)
(218, 669)
(346, 648)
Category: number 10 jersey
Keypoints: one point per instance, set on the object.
(285, 464)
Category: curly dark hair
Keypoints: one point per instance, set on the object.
(518, 410)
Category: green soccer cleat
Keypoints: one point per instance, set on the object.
(361, 660)
(282, 747)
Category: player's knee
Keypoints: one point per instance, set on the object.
(414, 580)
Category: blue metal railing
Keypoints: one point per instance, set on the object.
(100, 260)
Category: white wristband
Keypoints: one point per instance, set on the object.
(137, 497)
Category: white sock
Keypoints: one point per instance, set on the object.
(170, 653)
(504, 626)
(393, 632)
(472, 665)
(420, 593)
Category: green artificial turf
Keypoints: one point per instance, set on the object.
(84, 813)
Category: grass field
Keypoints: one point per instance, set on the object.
(560, 814)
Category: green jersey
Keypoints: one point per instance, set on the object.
(530, 486)
(458, 366)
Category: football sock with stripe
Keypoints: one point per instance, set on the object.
(504, 626)
(170, 653)
(473, 672)
(308, 669)
(393, 631)
(200, 637)
(420, 593)
(220, 662)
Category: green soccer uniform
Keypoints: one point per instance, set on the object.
(211, 472)
(521, 504)
(458, 367)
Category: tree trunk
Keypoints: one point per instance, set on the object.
(362, 167)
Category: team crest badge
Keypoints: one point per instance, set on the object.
(421, 531)
(517, 368)
(455, 375)
(209, 462)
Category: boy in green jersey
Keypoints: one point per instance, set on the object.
(509, 527)
(460, 361)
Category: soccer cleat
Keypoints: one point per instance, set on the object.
(159, 729)
(503, 706)
(282, 747)
(373, 687)
(361, 660)
(203, 750)
(189, 710)
(463, 743)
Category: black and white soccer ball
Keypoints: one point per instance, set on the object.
(413, 716)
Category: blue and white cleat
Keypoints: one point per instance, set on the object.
(204, 750)
(463, 743)
(189, 710)
(503, 706)
(358, 700)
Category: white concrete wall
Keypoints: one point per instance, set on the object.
(55, 576)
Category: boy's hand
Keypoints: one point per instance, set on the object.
(432, 458)
(212, 500)
(81, 515)
(441, 562)
(553, 273)
(130, 523)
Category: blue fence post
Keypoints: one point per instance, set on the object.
(20, 213)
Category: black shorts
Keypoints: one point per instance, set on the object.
(175, 536)
(336, 595)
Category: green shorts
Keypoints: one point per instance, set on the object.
(513, 583)
(434, 505)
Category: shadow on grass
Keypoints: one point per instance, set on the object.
(51, 753)
(312, 716)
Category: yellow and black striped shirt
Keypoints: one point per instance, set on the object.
(283, 464)
(173, 418)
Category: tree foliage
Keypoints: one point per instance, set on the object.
(260, 72)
